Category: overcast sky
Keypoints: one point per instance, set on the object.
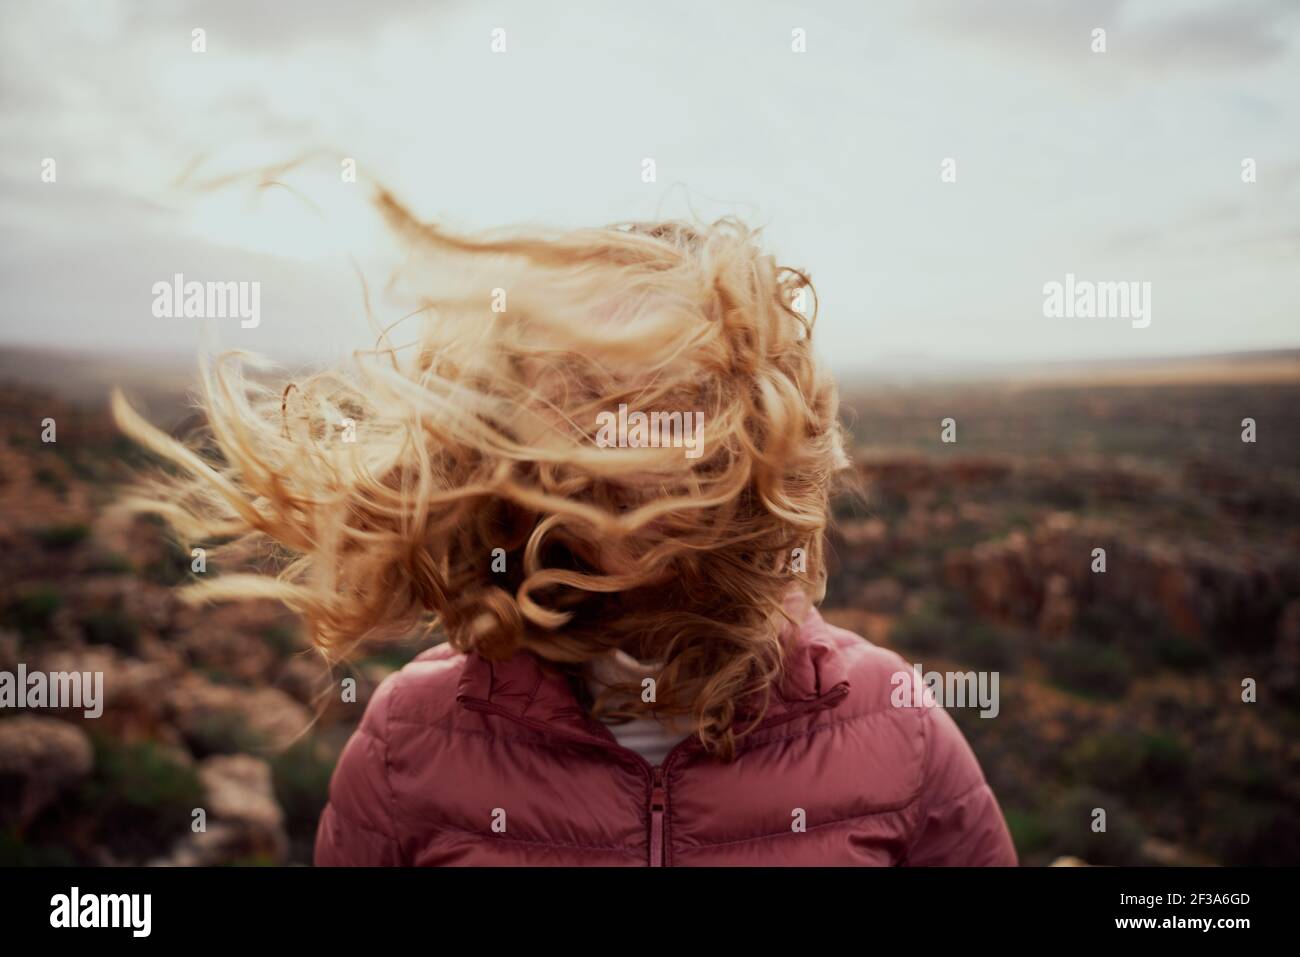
(1123, 165)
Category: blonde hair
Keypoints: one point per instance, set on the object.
(480, 435)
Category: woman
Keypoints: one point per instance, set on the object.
(602, 472)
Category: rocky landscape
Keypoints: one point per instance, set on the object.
(1120, 689)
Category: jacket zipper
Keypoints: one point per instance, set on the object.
(655, 773)
(658, 804)
(657, 817)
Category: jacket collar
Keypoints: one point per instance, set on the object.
(524, 689)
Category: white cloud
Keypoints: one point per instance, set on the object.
(1116, 166)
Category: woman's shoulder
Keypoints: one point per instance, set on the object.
(422, 691)
(873, 672)
(425, 690)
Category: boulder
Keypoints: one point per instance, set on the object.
(40, 758)
(244, 823)
(255, 717)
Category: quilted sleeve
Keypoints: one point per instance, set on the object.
(357, 827)
(959, 823)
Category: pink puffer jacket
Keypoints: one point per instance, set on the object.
(461, 761)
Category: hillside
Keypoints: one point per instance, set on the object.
(1119, 690)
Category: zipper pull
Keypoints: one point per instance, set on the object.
(657, 818)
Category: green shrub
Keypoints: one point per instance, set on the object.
(31, 611)
(62, 536)
(51, 479)
(110, 563)
(1108, 761)
(1258, 833)
(945, 626)
(911, 571)
(143, 775)
(1089, 668)
(1143, 632)
(1184, 654)
(1069, 825)
(111, 627)
(301, 774)
(218, 676)
(927, 631)
(223, 732)
(281, 639)
(1251, 777)
(1066, 496)
(1166, 761)
(15, 851)
(987, 647)
(1029, 832)
(172, 567)
(140, 796)
(1151, 770)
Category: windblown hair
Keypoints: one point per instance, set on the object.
(456, 482)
